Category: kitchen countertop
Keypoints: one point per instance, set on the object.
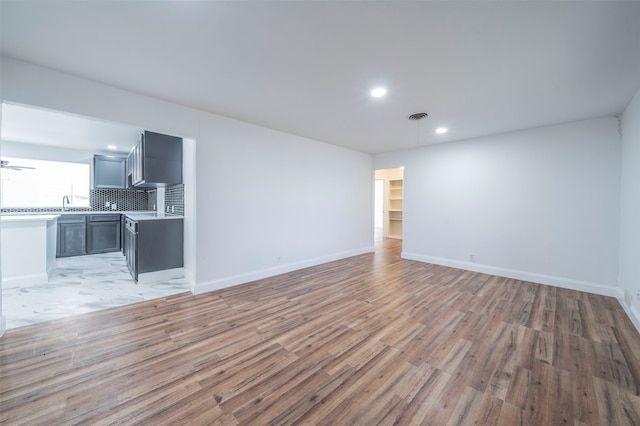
(28, 217)
(58, 212)
(137, 216)
(113, 212)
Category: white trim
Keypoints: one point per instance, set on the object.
(24, 280)
(586, 286)
(50, 268)
(188, 275)
(632, 312)
(212, 285)
(3, 325)
(165, 274)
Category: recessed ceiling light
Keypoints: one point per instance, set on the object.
(441, 130)
(112, 147)
(378, 92)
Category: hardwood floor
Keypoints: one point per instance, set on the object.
(372, 339)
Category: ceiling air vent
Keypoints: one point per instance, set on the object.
(418, 116)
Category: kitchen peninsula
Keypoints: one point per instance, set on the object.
(28, 248)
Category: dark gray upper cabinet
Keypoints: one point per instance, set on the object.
(156, 161)
(109, 172)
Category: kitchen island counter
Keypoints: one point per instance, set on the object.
(28, 248)
(28, 217)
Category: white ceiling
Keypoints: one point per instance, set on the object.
(306, 68)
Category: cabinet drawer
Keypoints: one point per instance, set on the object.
(72, 218)
(104, 218)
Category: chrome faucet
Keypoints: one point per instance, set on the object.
(63, 199)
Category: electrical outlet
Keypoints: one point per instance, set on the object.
(472, 258)
(278, 259)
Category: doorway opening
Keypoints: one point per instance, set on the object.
(388, 203)
(378, 213)
(79, 280)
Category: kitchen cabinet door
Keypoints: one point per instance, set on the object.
(71, 239)
(103, 233)
(123, 238)
(131, 250)
(103, 237)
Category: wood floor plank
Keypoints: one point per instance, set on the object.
(468, 408)
(422, 402)
(498, 384)
(371, 339)
(616, 405)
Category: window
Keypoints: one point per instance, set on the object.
(45, 184)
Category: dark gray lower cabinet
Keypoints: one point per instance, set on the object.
(159, 245)
(153, 245)
(103, 233)
(72, 239)
(80, 234)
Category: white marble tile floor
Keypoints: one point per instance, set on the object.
(78, 285)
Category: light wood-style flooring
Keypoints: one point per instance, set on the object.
(368, 340)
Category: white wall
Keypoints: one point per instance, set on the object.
(264, 194)
(3, 320)
(540, 205)
(629, 280)
(43, 152)
(190, 185)
(260, 193)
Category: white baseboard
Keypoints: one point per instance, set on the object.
(632, 312)
(50, 269)
(212, 285)
(190, 277)
(568, 283)
(24, 280)
(164, 275)
(3, 325)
